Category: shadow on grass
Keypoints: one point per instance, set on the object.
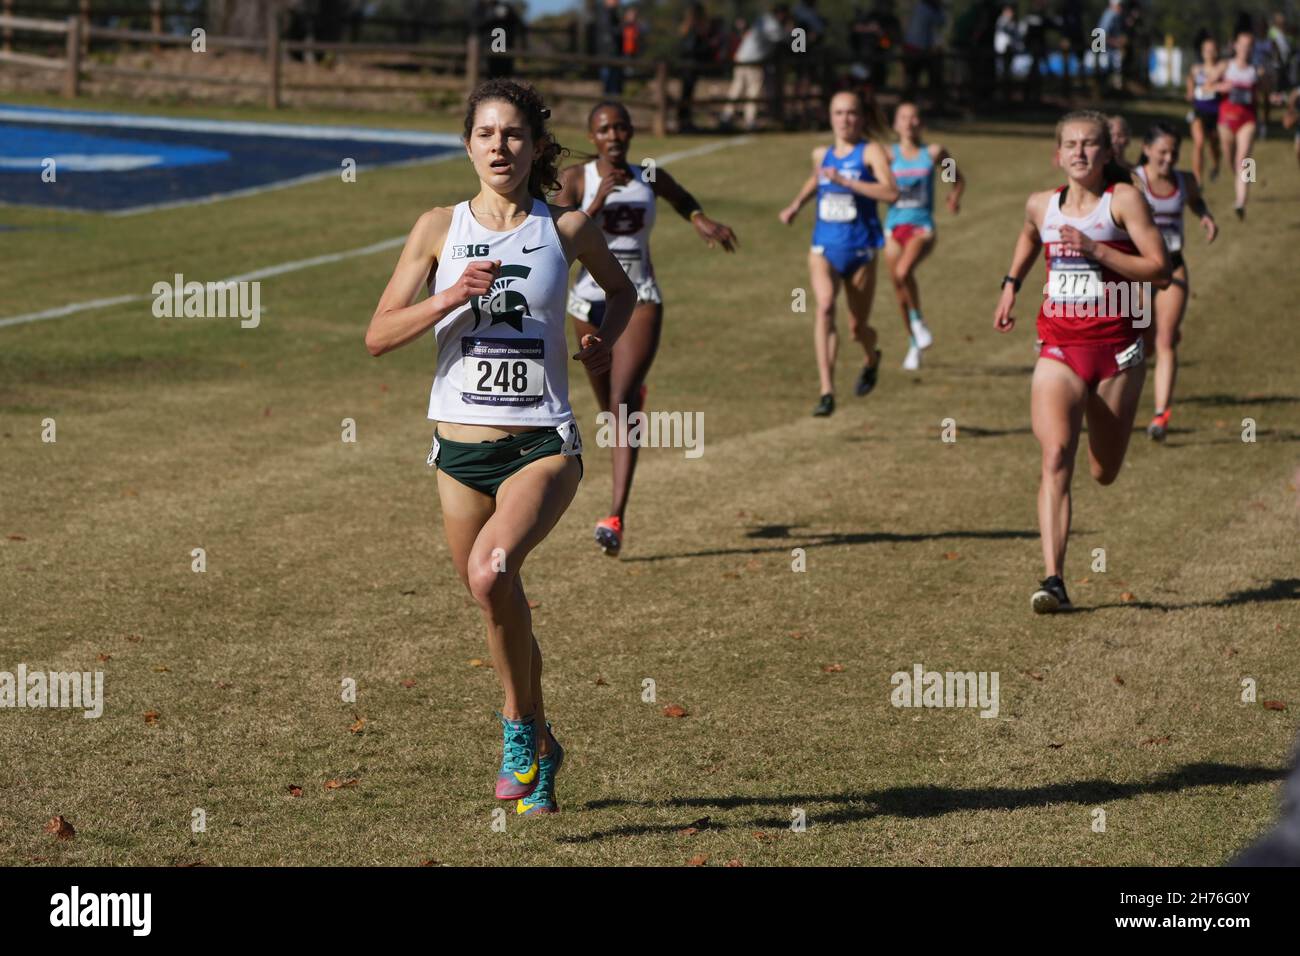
(1279, 589)
(784, 533)
(923, 802)
(1219, 399)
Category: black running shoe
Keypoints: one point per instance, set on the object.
(1051, 597)
(825, 407)
(867, 378)
(1241, 212)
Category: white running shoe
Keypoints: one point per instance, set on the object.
(921, 337)
(913, 360)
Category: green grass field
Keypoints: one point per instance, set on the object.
(325, 560)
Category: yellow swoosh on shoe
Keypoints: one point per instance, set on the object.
(527, 777)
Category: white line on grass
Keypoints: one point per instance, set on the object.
(297, 264)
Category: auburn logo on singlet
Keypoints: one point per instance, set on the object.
(623, 220)
(502, 304)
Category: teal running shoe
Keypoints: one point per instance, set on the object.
(518, 774)
(542, 799)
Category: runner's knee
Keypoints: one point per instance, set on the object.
(490, 581)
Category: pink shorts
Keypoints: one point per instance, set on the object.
(903, 232)
(1095, 363)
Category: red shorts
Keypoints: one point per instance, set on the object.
(1235, 116)
(906, 230)
(1095, 363)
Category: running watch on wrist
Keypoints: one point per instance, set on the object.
(1013, 280)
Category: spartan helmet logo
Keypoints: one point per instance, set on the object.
(502, 303)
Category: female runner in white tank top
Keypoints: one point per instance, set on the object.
(1168, 191)
(621, 198)
(506, 445)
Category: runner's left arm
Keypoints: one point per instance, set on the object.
(941, 156)
(587, 244)
(1196, 203)
(667, 188)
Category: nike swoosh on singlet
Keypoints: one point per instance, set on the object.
(534, 249)
(529, 451)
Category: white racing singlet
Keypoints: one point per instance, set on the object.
(502, 357)
(1167, 211)
(626, 220)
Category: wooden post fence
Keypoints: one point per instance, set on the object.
(661, 98)
(472, 62)
(8, 9)
(72, 78)
(273, 58)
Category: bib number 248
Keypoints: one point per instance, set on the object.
(502, 371)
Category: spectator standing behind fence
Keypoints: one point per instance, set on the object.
(608, 42)
(754, 52)
(973, 36)
(1112, 26)
(878, 34)
(1034, 29)
(497, 15)
(1006, 44)
(1073, 42)
(809, 70)
(922, 50)
(693, 51)
(1137, 48)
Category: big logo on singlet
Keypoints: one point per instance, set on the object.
(503, 304)
(623, 220)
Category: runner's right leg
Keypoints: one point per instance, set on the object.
(825, 284)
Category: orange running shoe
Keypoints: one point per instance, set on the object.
(1159, 426)
(609, 535)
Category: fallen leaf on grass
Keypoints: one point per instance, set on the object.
(601, 682)
(134, 638)
(674, 710)
(734, 863)
(340, 784)
(356, 728)
(1274, 705)
(760, 835)
(1084, 581)
(430, 863)
(151, 717)
(1119, 680)
(534, 604)
(701, 824)
(162, 669)
(475, 662)
(295, 790)
(224, 685)
(61, 828)
(409, 592)
(1056, 746)
(104, 658)
(796, 635)
(1033, 674)
(408, 683)
(832, 668)
(698, 860)
(1126, 596)
(1154, 741)
(1230, 652)
(951, 555)
(730, 574)
(17, 537)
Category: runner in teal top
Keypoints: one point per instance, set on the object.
(910, 222)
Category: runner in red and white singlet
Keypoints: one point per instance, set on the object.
(1102, 249)
(1237, 116)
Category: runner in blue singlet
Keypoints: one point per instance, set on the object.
(848, 179)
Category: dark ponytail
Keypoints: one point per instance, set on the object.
(544, 176)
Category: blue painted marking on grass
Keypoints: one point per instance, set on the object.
(119, 163)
